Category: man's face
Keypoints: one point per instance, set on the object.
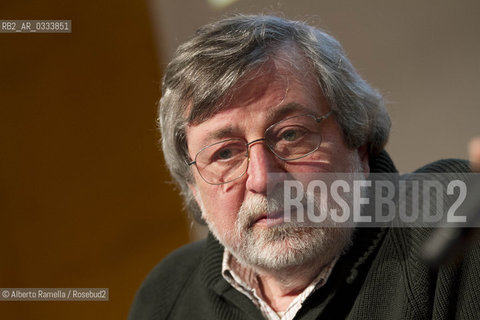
(235, 211)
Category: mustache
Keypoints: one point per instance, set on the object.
(258, 206)
(272, 206)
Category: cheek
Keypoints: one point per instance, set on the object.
(221, 204)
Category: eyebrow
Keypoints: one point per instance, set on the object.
(222, 133)
(286, 110)
(273, 116)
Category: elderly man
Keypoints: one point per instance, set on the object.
(251, 96)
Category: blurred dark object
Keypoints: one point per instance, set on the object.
(448, 243)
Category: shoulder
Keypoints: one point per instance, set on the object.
(413, 238)
(446, 166)
(449, 281)
(162, 286)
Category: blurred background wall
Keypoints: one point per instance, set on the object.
(85, 200)
(84, 195)
(422, 55)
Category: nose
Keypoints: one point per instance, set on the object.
(262, 162)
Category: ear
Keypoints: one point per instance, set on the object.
(364, 157)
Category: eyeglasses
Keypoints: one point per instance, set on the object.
(290, 139)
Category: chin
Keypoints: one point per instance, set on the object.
(285, 246)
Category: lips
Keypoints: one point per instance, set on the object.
(270, 219)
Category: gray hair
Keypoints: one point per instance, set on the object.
(201, 77)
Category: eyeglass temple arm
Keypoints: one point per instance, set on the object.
(318, 119)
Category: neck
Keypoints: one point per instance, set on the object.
(280, 287)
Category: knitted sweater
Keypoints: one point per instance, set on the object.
(381, 277)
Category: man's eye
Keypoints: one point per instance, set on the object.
(290, 135)
(224, 154)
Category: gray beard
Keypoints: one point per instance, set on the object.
(288, 245)
(283, 246)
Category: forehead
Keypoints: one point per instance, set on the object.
(267, 95)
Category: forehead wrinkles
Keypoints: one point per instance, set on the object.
(272, 88)
(268, 79)
(223, 128)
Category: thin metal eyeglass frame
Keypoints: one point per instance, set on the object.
(248, 144)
